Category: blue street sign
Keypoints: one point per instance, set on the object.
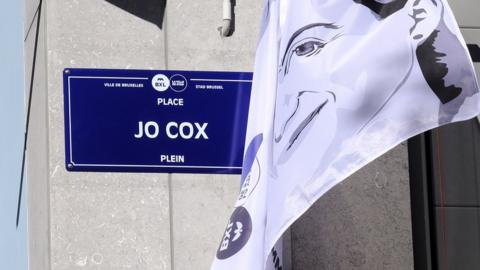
(155, 121)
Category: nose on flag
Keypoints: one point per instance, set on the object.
(405, 69)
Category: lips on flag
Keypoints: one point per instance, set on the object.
(337, 83)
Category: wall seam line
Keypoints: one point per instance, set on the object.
(170, 190)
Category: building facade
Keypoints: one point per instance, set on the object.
(91, 220)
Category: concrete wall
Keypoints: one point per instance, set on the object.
(37, 145)
(101, 220)
(362, 223)
(139, 221)
(159, 221)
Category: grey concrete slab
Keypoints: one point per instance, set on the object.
(194, 42)
(202, 204)
(36, 179)
(466, 12)
(102, 220)
(362, 223)
(110, 222)
(95, 33)
(455, 164)
(458, 238)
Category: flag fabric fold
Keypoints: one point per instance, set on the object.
(337, 83)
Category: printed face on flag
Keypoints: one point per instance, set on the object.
(347, 80)
(320, 88)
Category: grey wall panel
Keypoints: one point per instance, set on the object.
(102, 220)
(455, 164)
(36, 180)
(194, 43)
(202, 204)
(363, 223)
(458, 238)
(466, 12)
(110, 223)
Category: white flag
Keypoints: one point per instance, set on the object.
(337, 83)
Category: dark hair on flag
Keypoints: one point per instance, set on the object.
(434, 69)
(383, 10)
(429, 56)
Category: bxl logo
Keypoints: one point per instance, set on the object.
(160, 82)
